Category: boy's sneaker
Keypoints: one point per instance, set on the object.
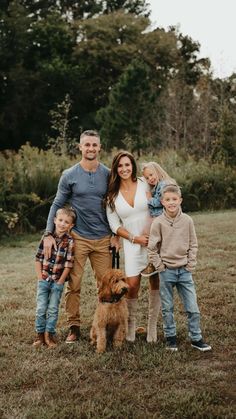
(171, 344)
(149, 270)
(200, 345)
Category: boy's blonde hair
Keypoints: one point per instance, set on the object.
(174, 188)
(69, 211)
(161, 173)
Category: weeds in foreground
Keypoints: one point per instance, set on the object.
(139, 380)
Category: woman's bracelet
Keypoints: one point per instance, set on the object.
(131, 238)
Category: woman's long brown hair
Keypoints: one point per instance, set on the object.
(114, 178)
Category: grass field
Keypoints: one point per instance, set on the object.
(138, 381)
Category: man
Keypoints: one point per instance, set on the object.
(84, 186)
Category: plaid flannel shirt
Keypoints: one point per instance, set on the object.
(61, 258)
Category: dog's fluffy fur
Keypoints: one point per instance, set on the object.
(111, 315)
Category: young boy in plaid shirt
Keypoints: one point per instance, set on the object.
(52, 274)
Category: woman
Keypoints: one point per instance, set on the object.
(128, 216)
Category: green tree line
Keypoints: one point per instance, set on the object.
(137, 85)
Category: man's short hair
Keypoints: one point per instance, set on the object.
(171, 188)
(89, 133)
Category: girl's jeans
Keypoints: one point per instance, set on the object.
(48, 301)
(182, 279)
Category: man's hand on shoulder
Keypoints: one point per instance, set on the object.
(48, 243)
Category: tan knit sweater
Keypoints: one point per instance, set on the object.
(173, 242)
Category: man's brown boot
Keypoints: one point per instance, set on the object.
(73, 335)
(39, 340)
(50, 340)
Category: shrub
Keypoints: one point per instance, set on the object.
(28, 183)
(29, 179)
(205, 186)
(8, 220)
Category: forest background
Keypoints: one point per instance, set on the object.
(67, 66)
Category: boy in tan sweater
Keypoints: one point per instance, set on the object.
(172, 249)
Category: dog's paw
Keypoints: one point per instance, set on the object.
(100, 350)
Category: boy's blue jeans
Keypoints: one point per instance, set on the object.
(48, 301)
(183, 281)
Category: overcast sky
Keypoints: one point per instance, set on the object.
(210, 22)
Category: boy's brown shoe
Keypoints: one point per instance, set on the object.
(73, 335)
(39, 340)
(50, 340)
(149, 270)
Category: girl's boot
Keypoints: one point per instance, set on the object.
(153, 311)
(132, 308)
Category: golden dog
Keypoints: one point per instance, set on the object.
(111, 315)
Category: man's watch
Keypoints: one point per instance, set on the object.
(47, 233)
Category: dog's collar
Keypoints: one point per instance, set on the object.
(114, 299)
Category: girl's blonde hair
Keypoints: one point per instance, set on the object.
(161, 173)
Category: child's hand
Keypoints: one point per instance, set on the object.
(142, 240)
(61, 282)
(148, 195)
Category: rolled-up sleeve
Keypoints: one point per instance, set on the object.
(154, 246)
(39, 255)
(62, 196)
(193, 248)
(113, 219)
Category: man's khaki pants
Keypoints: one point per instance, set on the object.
(100, 258)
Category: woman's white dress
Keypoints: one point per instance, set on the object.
(136, 220)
